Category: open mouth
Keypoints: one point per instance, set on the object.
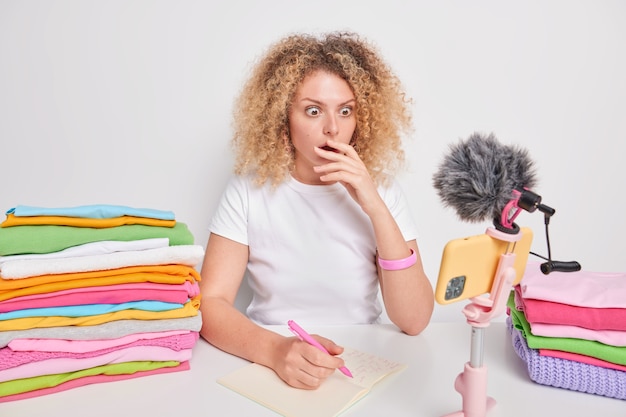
(328, 148)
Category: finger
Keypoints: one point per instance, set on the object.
(298, 370)
(357, 180)
(318, 372)
(323, 363)
(337, 156)
(344, 148)
(339, 176)
(338, 151)
(338, 167)
(305, 380)
(329, 345)
(310, 375)
(341, 163)
(302, 380)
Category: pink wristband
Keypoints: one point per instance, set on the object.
(398, 264)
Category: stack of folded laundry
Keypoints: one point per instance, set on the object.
(570, 329)
(92, 294)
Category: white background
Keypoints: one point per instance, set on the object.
(129, 102)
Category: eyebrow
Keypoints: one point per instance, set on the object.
(352, 100)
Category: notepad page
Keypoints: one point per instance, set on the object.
(368, 369)
(262, 385)
(335, 395)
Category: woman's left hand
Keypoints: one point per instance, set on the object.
(347, 168)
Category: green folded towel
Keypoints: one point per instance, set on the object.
(614, 354)
(53, 238)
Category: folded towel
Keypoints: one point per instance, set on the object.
(94, 211)
(615, 354)
(164, 274)
(189, 255)
(608, 337)
(12, 358)
(581, 358)
(64, 365)
(13, 220)
(92, 248)
(15, 361)
(18, 240)
(87, 310)
(572, 375)
(106, 330)
(189, 309)
(51, 346)
(582, 288)
(105, 294)
(47, 384)
(549, 312)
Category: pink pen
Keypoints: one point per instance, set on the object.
(305, 337)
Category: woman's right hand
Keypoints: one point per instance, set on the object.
(297, 363)
(304, 366)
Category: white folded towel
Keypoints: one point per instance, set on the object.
(94, 248)
(189, 255)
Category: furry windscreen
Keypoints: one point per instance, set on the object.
(478, 176)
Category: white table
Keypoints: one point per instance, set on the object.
(425, 388)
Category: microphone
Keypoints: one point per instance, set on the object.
(479, 176)
(484, 180)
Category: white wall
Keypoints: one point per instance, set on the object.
(128, 102)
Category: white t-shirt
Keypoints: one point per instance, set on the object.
(312, 249)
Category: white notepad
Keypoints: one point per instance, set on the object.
(336, 394)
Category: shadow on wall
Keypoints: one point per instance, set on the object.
(244, 296)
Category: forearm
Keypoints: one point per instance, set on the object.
(407, 293)
(408, 298)
(228, 329)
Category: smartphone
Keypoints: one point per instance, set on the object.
(468, 265)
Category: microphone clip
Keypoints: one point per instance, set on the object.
(523, 200)
(530, 201)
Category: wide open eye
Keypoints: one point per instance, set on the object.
(345, 111)
(313, 111)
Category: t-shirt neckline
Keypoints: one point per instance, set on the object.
(313, 189)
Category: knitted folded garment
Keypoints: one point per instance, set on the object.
(563, 373)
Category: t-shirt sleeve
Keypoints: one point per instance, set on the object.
(230, 220)
(396, 201)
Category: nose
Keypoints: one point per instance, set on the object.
(331, 127)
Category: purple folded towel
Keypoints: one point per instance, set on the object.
(563, 373)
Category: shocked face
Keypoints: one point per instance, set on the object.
(323, 108)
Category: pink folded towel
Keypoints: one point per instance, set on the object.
(582, 288)
(540, 311)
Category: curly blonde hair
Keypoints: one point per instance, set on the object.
(261, 113)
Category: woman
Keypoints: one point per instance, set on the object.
(312, 213)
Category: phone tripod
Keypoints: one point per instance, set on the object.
(472, 382)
